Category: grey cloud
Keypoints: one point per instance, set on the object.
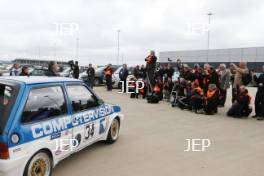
(29, 26)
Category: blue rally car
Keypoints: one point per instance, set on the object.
(43, 120)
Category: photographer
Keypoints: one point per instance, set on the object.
(90, 76)
(76, 70)
(53, 69)
(240, 72)
(150, 67)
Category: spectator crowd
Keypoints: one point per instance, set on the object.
(201, 89)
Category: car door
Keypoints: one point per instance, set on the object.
(85, 114)
(46, 118)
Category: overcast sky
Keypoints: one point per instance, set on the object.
(49, 29)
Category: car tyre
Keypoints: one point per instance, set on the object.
(113, 132)
(39, 164)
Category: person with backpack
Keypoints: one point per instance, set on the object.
(241, 77)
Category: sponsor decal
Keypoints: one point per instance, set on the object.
(89, 131)
(61, 124)
(17, 150)
(55, 136)
(102, 126)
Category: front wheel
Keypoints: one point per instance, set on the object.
(113, 132)
(39, 165)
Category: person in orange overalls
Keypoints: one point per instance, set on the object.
(241, 106)
(211, 100)
(197, 95)
(108, 77)
(158, 90)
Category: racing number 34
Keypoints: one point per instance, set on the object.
(89, 131)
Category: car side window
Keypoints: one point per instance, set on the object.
(81, 98)
(44, 103)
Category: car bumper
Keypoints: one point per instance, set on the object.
(12, 167)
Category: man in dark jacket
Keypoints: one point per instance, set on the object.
(136, 72)
(213, 77)
(76, 70)
(53, 69)
(259, 100)
(90, 76)
(142, 72)
(160, 73)
(180, 67)
(123, 74)
(169, 71)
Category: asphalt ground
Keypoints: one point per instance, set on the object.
(154, 136)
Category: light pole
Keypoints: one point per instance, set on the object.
(39, 53)
(55, 50)
(77, 48)
(208, 35)
(118, 45)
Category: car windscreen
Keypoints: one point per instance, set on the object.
(7, 100)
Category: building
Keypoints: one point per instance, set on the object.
(36, 62)
(253, 55)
